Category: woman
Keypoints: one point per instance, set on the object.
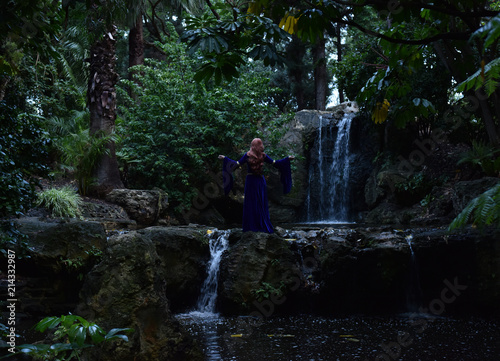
(255, 205)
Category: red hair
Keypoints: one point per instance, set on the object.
(256, 155)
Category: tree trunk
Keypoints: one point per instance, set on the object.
(338, 44)
(320, 74)
(135, 50)
(101, 96)
(295, 52)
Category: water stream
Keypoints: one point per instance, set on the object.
(218, 244)
(329, 170)
(414, 291)
(205, 315)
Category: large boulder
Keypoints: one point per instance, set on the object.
(146, 207)
(51, 263)
(183, 255)
(258, 267)
(128, 289)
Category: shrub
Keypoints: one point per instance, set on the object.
(72, 334)
(484, 156)
(62, 202)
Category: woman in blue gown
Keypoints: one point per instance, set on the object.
(255, 205)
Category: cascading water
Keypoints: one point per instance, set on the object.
(414, 292)
(205, 314)
(208, 296)
(328, 192)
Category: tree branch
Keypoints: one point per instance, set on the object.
(442, 36)
(211, 7)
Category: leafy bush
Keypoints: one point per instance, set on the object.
(413, 189)
(79, 150)
(22, 154)
(72, 334)
(484, 156)
(171, 136)
(12, 239)
(62, 202)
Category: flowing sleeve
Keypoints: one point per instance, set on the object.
(285, 170)
(228, 167)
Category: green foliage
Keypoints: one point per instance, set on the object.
(79, 150)
(483, 211)
(26, 27)
(62, 202)
(267, 290)
(12, 239)
(413, 189)
(488, 76)
(484, 156)
(71, 335)
(226, 44)
(171, 136)
(22, 155)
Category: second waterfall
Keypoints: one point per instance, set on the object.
(328, 194)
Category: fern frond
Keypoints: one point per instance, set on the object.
(483, 210)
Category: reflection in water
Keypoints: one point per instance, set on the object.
(310, 338)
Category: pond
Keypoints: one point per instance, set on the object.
(408, 337)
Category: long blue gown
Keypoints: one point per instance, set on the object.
(255, 205)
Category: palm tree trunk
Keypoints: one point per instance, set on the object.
(102, 105)
(320, 74)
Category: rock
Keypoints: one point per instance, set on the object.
(128, 289)
(144, 206)
(183, 253)
(112, 216)
(258, 267)
(49, 270)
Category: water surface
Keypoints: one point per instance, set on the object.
(406, 337)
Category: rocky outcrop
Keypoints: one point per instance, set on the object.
(341, 271)
(441, 204)
(51, 262)
(146, 207)
(257, 267)
(128, 288)
(183, 255)
(144, 276)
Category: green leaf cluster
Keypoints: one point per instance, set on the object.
(227, 44)
(482, 211)
(62, 202)
(488, 76)
(22, 154)
(79, 150)
(484, 156)
(71, 335)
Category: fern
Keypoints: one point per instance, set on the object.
(483, 210)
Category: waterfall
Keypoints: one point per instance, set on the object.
(328, 192)
(414, 292)
(204, 316)
(208, 297)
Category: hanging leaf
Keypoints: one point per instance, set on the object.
(381, 111)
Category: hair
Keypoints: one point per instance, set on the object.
(256, 155)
